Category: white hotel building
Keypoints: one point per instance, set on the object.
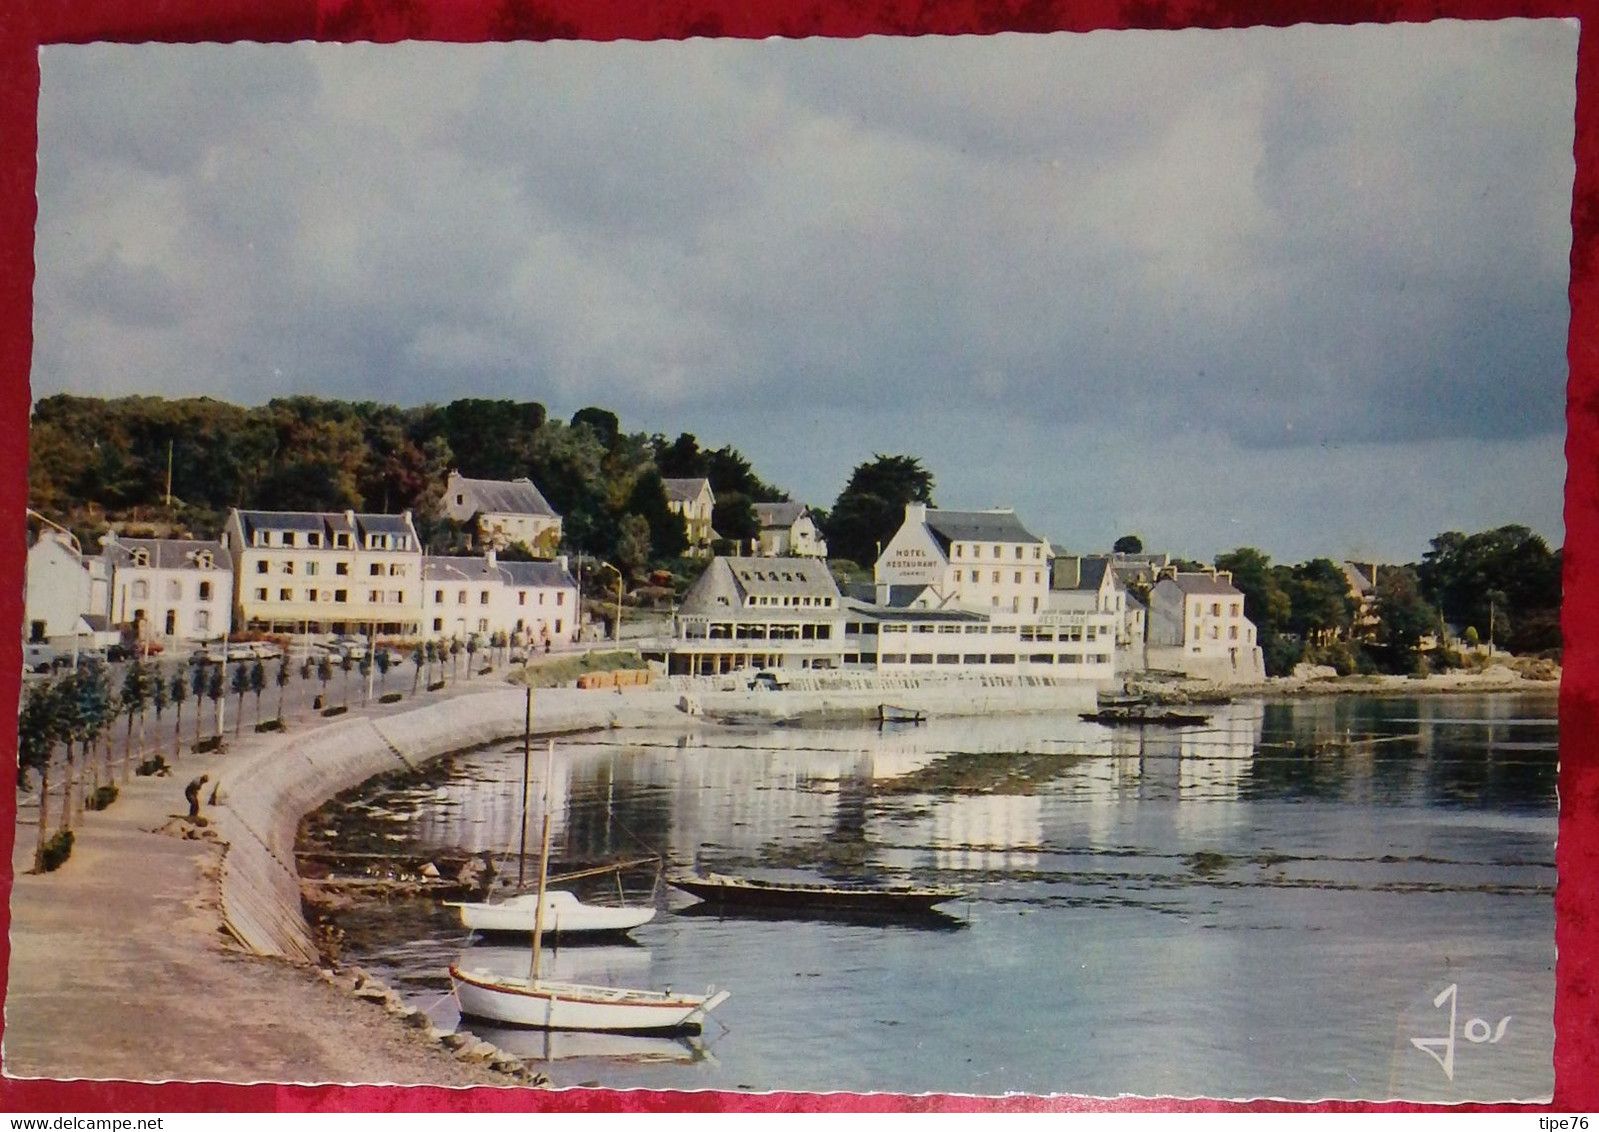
(325, 572)
(970, 590)
(956, 593)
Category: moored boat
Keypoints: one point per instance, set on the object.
(889, 713)
(548, 1005)
(1144, 717)
(564, 914)
(528, 1000)
(720, 888)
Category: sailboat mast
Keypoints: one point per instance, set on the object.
(527, 758)
(544, 868)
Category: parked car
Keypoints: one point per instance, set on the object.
(353, 647)
(769, 678)
(39, 658)
(116, 654)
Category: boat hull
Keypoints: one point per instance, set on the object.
(1116, 717)
(563, 915)
(738, 892)
(546, 1005)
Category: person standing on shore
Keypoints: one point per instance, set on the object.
(192, 793)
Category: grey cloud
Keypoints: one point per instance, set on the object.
(1282, 239)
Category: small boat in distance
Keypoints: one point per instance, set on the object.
(732, 891)
(888, 713)
(1144, 717)
(564, 914)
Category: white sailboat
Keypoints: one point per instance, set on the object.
(562, 912)
(549, 1005)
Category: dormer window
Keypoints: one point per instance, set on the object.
(313, 539)
(203, 560)
(141, 557)
(288, 538)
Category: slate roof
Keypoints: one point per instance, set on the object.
(468, 569)
(288, 521)
(977, 526)
(685, 491)
(727, 582)
(868, 611)
(779, 514)
(323, 522)
(1079, 572)
(536, 574)
(168, 553)
(385, 524)
(899, 597)
(502, 497)
(1203, 584)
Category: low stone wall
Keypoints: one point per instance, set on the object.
(264, 796)
(965, 697)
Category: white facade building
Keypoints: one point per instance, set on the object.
(758, 613)
(65, 592)
(531, 602)
(787, 530)
(1197, 626)
(978, 560)
(331, 571)
(503, 512)
(169, 590)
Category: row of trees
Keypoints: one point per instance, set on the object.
(1500, 587)
(92, 460)
(72, 719)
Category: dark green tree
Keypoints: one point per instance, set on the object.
(733, 518)
(1321, 608)
(1265, 604)
(257, 686)
(214, 691)
(38, 733)
(1405, 619)
(241, 685)
(872, 505)
(282, 678)
(668, 535)
(1128, 544)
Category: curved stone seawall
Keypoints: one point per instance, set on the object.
(265, 795)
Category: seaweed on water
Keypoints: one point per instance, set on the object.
(1206, 863)
(984, 772)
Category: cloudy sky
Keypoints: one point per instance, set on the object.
(1300, 289)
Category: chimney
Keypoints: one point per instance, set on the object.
(489, 560)
(916, 512)
(561, 560)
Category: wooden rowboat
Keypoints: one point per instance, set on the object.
(732, 891)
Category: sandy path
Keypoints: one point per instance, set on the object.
(119, 969)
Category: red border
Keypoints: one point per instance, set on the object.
(25, 24)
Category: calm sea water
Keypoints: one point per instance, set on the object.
(1270, 905)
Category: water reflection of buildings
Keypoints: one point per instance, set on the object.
(1201, 769)
(988, 833)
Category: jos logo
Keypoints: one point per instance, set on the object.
(1476, 1031)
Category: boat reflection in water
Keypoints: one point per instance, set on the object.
(567, 964)
(569, 1045)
